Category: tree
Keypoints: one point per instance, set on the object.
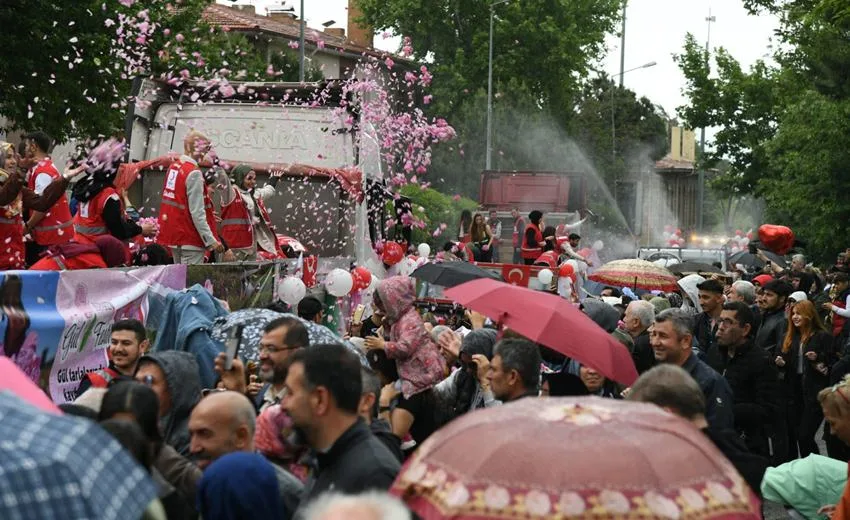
(782, 127)
(73, 62)
(543, 50)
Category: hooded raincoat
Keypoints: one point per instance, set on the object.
(420, 365)
(184, 387)
(688, 284)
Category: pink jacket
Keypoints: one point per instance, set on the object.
(420, 365)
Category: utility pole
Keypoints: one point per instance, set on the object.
(623, 44)
(301, 46)
(701, 172)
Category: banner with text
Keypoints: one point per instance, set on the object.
(64, 319)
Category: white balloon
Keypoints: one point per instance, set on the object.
(339, 282)
(424, 250)
(291, 290)
(598, 245)
(545, 277)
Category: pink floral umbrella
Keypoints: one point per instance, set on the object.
(572, 458)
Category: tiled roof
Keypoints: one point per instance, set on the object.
(668, 163)
(237, 20)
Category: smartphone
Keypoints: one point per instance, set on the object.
(231, 344)
(357, 317)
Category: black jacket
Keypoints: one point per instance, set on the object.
(381, 429)
(718, 395)
(704, 332)
(749, 465)
(358, 461)
(642, 354)
(813, 381)
(754, 381)
(772, 331)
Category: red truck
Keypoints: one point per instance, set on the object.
(549, 192)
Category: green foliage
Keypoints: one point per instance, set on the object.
(783, 127)
(543, 51)
(68, 74)
(435, 208)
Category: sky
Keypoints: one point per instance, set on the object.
(655, 31)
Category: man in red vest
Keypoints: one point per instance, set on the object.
(532, 238)
(186, 215)
(55, 226)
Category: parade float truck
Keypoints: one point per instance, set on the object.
(291, 127)
(561, 196)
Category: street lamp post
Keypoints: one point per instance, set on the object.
(613, 118)
(701, 173)
(489, 152)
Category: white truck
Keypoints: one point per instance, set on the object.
(268, 125)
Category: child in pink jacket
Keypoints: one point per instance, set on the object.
(420, 365)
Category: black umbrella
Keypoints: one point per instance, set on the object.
(751, 260)
(693, 267)
(449, 274)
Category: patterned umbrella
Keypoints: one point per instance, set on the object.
(254, 320)
(54, 466)
(635, 274)
(589, 458)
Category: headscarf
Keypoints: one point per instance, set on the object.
(238, 173)
(660, 303)
(240, 485)
(271, 438)
(101, 165)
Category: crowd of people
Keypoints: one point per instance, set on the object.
(41, 228)
(757, 362)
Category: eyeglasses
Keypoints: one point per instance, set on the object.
(726, 322)
(271, 349)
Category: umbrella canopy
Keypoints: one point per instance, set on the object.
(18, 383)
(693, 267)
(558, 458)
(55, 466)
(551, 321)
(635, 274)
(450, 274)
(255, 320)
(750, 260)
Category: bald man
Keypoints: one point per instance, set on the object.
(368, 506)
(221, 423)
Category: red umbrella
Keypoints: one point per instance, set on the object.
(551, 321)
(565, 458)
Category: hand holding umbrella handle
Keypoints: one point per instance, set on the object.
(483, 365)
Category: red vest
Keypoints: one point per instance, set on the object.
(528, 252)
(57, 226)
(89, 221)
(12, 254)
(102, 378)
(549, 258)
(75, 263)
(176, 227)
(237, 228)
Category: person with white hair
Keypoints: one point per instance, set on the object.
(367, 506)
(745, 292)
(637, 320)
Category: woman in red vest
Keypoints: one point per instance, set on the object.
(106, 251)
(15, 197)
(532, 238)
(101, 209)
(245, 223)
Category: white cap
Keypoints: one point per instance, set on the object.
(798, 296)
